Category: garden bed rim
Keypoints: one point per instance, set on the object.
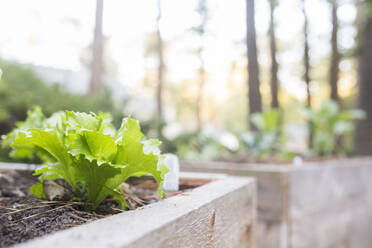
(225, 166)
(178, 205)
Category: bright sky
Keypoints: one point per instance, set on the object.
(53, 33)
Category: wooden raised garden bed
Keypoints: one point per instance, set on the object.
(324, 204)
(211, 211)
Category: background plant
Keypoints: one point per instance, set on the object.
(198, 146)
(35, 119)
(21, 89)
(332, 128)
(267, 141)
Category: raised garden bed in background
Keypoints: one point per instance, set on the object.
(325, 204)
(215, 211)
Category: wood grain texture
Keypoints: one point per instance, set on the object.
(324, 204)
(336, 200)
(218, 214)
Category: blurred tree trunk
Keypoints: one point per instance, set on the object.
(335, 58)
(200, 96)
(306, 55)
(334, 71)
(97, 64)
(274, 63)
(200, 30)
(254, 95)
(307, 68)
(363, 134)
(159, 90)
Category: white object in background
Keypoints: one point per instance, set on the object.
(297, 161)
(171, 179)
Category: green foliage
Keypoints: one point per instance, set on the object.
(266, 141)
(367, 4)
(331, 126)
(87, 152)
(21, 89)
(198, 146)
(35, 119)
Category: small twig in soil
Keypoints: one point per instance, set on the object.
(44, 204)
(172, 193)
(117, 209)
(98, 215)
(68, 202)
(20, 205)
(88, 213)
(24, 209)
(50, 210)
(151, 197)
(51, 202)
(78, 217)
(136, 200)
(8, 208)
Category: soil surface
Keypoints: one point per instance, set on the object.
(24, 217)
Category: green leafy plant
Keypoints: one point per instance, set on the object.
(199, 146)
(331, 128)
(266, 141)
(21, 88)
(87, 152)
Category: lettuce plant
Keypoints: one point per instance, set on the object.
(88, 153)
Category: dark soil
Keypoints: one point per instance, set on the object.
(24, 217)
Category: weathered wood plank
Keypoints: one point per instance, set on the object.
(218, 214)
(324, 204)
